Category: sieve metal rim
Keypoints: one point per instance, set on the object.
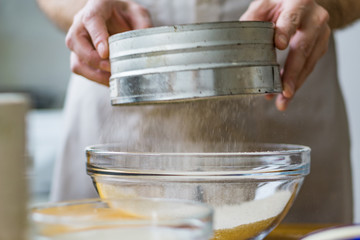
(190, 27)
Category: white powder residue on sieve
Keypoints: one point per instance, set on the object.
(230, 216)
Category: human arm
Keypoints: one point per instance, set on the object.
(303, 26)
(61, 12)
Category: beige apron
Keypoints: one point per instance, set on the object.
(316, 117)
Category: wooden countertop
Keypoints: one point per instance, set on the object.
(289, 231)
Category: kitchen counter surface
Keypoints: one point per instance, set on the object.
(294, 231)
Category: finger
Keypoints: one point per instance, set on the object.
(281, 102)
(79, 42)
(90, 73)
(289, 20)
(301, 46)
(321, 47)
(136, 15)
(269, 96)
(304, 45)
(117, 23)
(96, 27)
(258, 11)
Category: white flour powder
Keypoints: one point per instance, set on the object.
(231, 216)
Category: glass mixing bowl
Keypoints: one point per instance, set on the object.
(350, 232)
(251, 187)
(132, 219)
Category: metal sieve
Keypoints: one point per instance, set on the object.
(195, 61)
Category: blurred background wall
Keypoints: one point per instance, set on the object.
(34, 59)
(33, 56)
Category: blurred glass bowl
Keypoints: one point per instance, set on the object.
(350, 232)
(133, 219)
(251, 187)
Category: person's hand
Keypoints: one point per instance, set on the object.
(87, 37)
(303, 26)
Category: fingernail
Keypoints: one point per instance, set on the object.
(289, 89)
(101, 50)
(283, 40)
(269, 96)
(282, 103)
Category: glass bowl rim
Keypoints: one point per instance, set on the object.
(325, 231)
(256, 164)
(99, 149)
